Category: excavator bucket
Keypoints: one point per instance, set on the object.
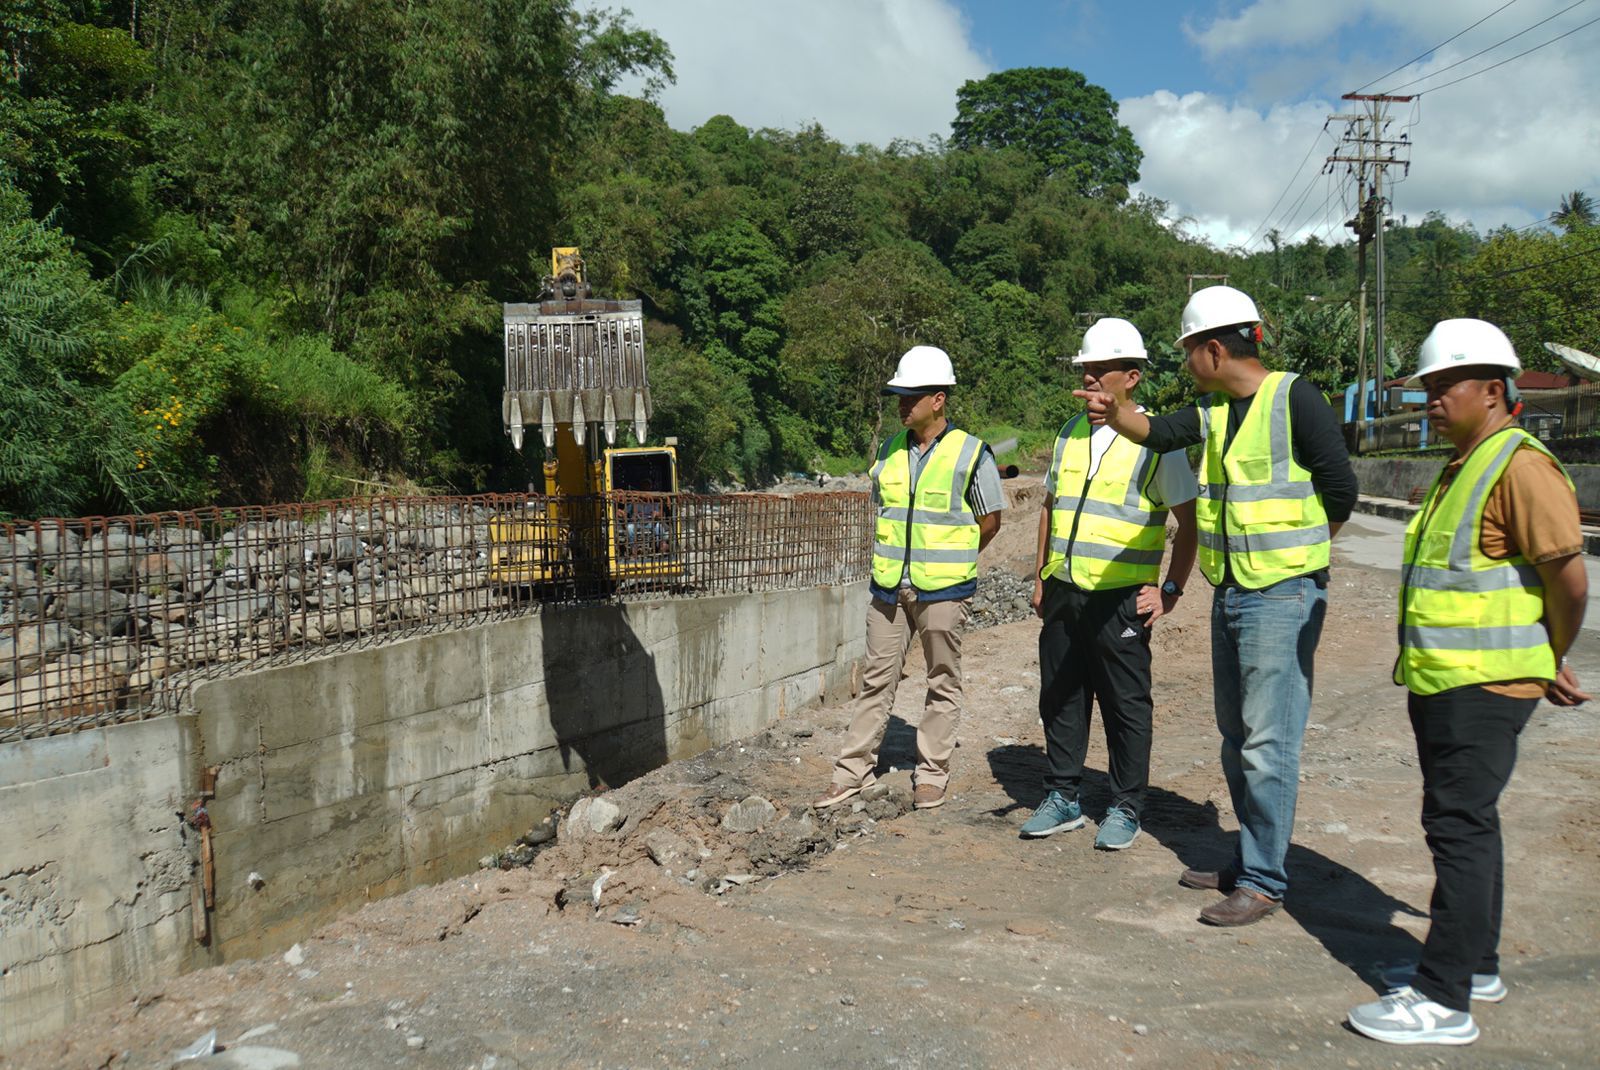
(575, 361)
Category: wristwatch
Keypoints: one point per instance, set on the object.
(1172, 588)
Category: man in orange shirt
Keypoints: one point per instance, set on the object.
(1493, 592)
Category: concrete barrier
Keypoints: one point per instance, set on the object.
(353, 776)
(1396, 477)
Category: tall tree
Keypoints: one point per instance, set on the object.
(1575, 210)
(1056, 116)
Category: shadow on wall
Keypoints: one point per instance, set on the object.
(605, 700)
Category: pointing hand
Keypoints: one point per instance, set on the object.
(1101, 407)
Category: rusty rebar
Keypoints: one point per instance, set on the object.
(104, 619)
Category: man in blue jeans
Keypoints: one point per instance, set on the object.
(1275, 486)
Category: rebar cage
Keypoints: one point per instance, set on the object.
(106, 619)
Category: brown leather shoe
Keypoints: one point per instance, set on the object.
(1243, 907)
(1212, 880)
(927, 796)
(836, 794)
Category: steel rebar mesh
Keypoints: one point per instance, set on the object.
(104, 619)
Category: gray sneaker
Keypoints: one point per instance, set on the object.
(1056, 814)
(1118, 829)
(1406, 1016)
(1486, 987)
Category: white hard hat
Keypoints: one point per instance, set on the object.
(1460, 343)
(1217, 306)
(1111, 339)
(922, 370)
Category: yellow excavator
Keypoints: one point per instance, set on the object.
(575, 373)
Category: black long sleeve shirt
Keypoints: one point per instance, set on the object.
(1315, 440)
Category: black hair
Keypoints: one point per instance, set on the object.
(1235, 341)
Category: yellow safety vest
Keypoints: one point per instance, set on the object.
(1466, 618)
(1109, 525)
(938, 534)
(1258, 513)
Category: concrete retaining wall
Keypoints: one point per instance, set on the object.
(1394, 477)
(355, 776)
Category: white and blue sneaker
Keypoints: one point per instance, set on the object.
(1486, 987)
(1406, 1016)
(1056, 814)
(1118, 829)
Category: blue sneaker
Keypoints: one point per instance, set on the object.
(1056, 814)
(1118, 830)
(1486, 987)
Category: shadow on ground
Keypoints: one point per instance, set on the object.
(1347, 913)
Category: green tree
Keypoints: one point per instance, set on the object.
(1536, 286)
(1317, 339)
(848, 330)
(390, 167)
(74, 119)
(1059, 118)
(1575, 210)
(52, 314)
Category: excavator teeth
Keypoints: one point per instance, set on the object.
(516, 423)
(584, 357)
(547, 425)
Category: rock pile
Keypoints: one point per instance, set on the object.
(696, 825)
(93, 618)
(1002, 597)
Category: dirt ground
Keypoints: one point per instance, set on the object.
(882, 937)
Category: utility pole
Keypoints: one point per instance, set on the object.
(1210, 278)
(1355, 135)
(1367, 150)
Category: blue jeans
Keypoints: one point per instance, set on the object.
(1263, 644)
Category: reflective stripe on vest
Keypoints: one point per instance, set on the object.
(1466, 618)
(937, 533)
(1260, 517)
(1107, 526)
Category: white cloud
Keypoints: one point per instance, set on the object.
(1224, 163)
(1498, 148)
(1265, 24)
(867, 70)
(1274, 22)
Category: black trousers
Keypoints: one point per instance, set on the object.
(1094, 644)
(1466, 746)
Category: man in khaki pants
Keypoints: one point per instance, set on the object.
(938, 496)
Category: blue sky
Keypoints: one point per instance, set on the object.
(1092, 38)
(1226, 98)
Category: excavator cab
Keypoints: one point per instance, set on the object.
(641, 488)
(575, 371)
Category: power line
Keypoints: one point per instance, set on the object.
(1322, 209)
(1470, 283)
(1545, 222)
(1558, 317)
(1438, 46)
(1295, 208)
(1519, 55)
(1543, 263)
(1287, 186)
(1491, 48)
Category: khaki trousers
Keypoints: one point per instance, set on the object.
(890, 627)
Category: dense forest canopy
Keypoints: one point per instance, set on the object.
(254, 251)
